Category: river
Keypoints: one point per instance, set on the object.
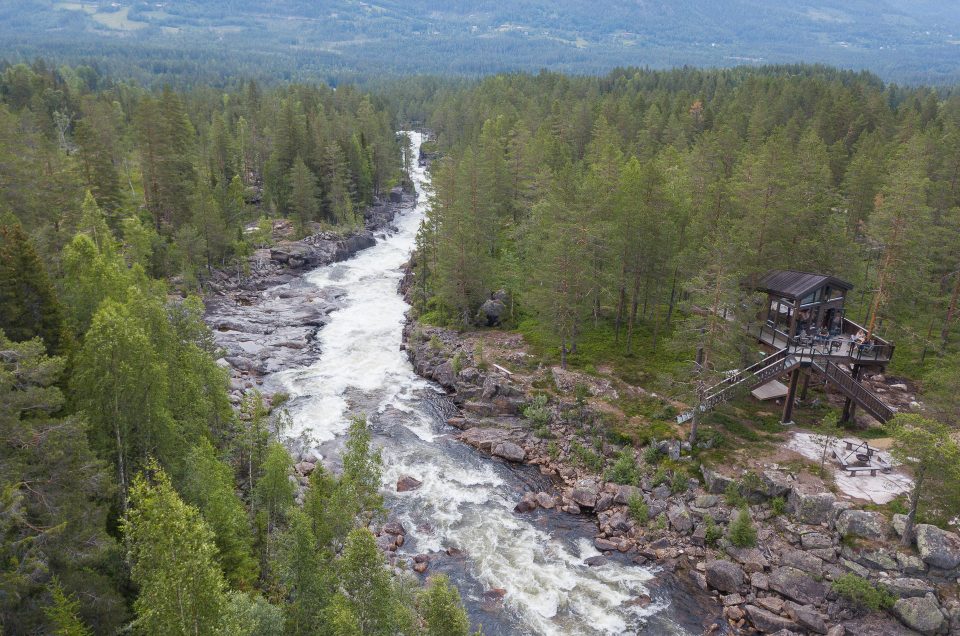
(467, 499)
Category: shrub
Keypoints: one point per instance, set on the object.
(714, 532)
(662, 476)
(537, 412)
(742, 532)
(457, 363)
(652, 455)
(435, 343)
(581, 392)
(586, 457)
(862, 592)
(553, 450)
(624, 470)
(778, 505)
(733, 496)
(678, 484)
(479, 356)
(661, 524)
(543, 432)
(638, 509)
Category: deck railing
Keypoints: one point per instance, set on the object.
(856, 391)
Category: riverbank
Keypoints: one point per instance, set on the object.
(668, 512)
(267, 320)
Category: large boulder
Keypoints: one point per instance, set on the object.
(807, 616)
(585, 493)
(445, 376)
(491, 312)
(863, 523)
(919, 613)
(715, 482)
(725, 576)
(938, 548)
(797, 585)
(906, 587)
(767, 622)
(810, 506)
(406, 483)
(680, 519)
(510, 452)
(776, 483)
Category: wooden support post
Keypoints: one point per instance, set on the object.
(806, 385)
(850, 407)
(791, 397)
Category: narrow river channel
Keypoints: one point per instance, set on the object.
(535, 561)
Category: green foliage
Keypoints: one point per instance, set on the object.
(742, 532)
(442, 610)
(778, 505)
(249, 614)
(862, 592)
(63, 613)
(660, 525)
(537, 411)
(174, 560)
(652, 455)
(678, 483)
(624, 470)
(208, 484)
(637, 508)
(586, 457)
(274, 491)
(457, 363)
(928, 448)
(553, 450)
(28, 302)
(714, 532)
(733, 494)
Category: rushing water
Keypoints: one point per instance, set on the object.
(467, 499)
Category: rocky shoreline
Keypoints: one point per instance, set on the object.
(806, 537)
(267, 320)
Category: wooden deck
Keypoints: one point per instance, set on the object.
(840, 349)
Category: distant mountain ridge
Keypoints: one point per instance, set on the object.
(901, 40)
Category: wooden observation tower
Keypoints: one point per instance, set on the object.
(804, 330)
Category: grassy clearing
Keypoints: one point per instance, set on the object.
(119, 20)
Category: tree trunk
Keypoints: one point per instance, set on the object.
(951, 312)
(907, 538)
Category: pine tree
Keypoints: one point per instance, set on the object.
(302, 186)
(174, 557)
(95, 144)
(274, 492)
(28, 302)
(63, 613)
(305, 571)
(369, 589)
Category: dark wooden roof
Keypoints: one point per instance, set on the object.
(794, 285)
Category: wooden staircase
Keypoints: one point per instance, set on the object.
(784, 361)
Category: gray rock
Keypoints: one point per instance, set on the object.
(938, 548)
(510, 452)
(596, 561)
(491, 312)
(811, 507)
(661, 492)
(797, 585)
(815, 540)
(725, 576)
(919, 613)
(604, 502)
(767, 622)
(679, 518)
(545, 500)
(776, 483)
(527, 503)
(445, 376)
(862, 523)
(906, 588)
(807, 616)
(899, 524)
(625, 493)
(911, 564)
(715, 482)
(877, 560)
(802, 561)
(585, 493)
(751, 558)
(706, 501)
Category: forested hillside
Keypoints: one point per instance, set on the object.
(626, 216)
(187, 40)
(132, 495)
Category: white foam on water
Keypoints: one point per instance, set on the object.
(468, 505)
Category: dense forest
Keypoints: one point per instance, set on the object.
(202, 40)
(624, 216)
(627, 215)
(132, 495)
